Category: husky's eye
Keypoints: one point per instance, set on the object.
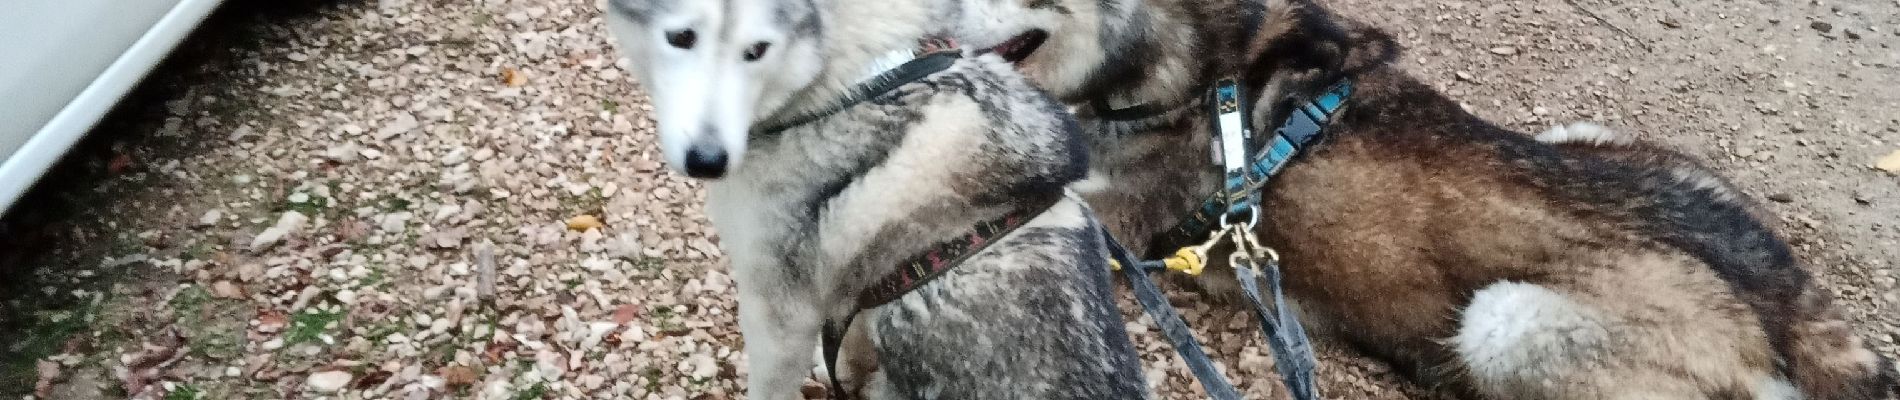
(756, 51)
(684, 38)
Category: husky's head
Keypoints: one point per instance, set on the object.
(1058, 43)
(714, 67)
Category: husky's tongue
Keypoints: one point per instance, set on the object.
(1018, 48)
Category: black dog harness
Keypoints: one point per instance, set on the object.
(1235, 210)
(940, 258)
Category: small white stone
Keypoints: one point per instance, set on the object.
(328, 381)
(287, 225)
(343, 153)
(455, 157)
(211, 218)
(703, 366)
(403, 123)
(446, 211)
(595, 332)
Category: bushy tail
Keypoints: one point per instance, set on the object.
(1828, 362)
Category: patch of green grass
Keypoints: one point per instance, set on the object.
(698, 385)
(310, 325)
(216, 345)
(200, 250)
(537, 391)
(610, 106)
(207, 321)
(392, 203)
(190, 300)
(45, 335)
(647, 267)
(313, 205)
(127, 243)
(665, 318)
(590, 202)
(380, 331)
(185, 391)
(652, 374)
(375, 278)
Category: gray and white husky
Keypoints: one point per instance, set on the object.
(845, 183)
(1576, 265)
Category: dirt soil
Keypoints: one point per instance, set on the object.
(434, 199)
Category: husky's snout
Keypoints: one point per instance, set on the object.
(705, 158)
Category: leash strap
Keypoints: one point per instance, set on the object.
(831, 340)
(1135, 113)
(1292, 352)
(1156, 306)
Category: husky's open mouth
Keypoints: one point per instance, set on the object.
(1018, 48)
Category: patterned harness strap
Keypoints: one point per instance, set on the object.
(918, 270)
(929, 265)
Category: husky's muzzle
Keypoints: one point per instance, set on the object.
(705, 158)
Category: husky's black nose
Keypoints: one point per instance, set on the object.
(706, 161)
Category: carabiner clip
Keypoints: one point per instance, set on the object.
(1247, 244)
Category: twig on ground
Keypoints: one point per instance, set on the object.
(485, 273)
(1606, 22)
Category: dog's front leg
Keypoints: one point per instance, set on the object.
(780, 332)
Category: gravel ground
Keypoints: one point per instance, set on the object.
(430, 199)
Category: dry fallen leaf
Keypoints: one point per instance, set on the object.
(272, 321)
(144, 368)
(626, 313)
(512, 78)
(1890, 163)
(457, 376)
(119, 164)
(49, 374)
(583, 222)
(226, 290)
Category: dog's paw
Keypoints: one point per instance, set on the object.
(1582, 133)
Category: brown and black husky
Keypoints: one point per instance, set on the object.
(1479, 259)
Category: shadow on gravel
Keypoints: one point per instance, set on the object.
(54, 238)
